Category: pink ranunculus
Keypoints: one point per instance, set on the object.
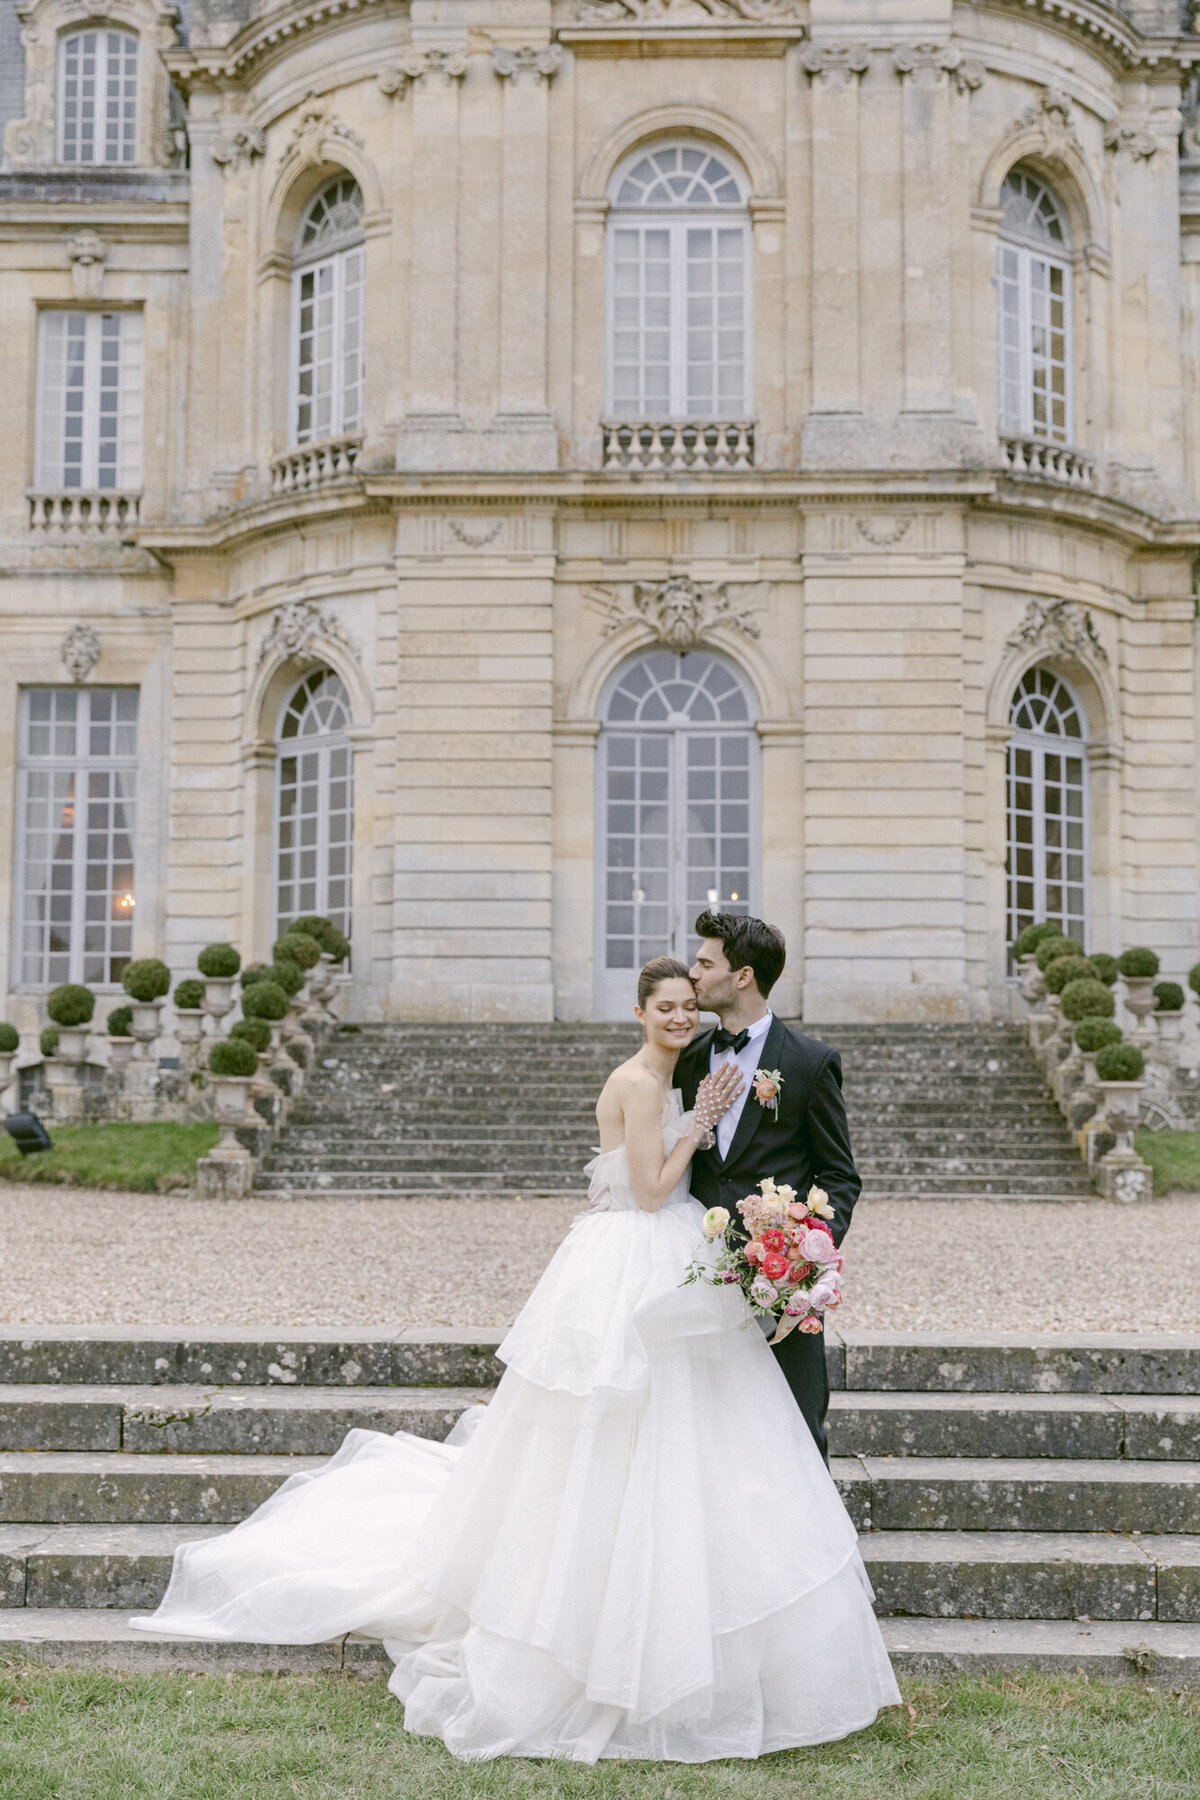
(812, 1324)
(774, 1265)
(798, 1211)
(762, 1293)
(825, 1293)
(818, 1247)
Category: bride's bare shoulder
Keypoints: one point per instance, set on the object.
(628, 1081)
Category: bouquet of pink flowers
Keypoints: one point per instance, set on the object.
(787, 1266)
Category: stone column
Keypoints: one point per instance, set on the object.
(526, 73)
(834, 71)
(925, 147)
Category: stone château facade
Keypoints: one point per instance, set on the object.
(505, 471)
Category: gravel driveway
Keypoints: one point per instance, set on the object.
(74, 1256)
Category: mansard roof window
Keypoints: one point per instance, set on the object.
(97, 96)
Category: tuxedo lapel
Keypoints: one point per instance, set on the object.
(695, 1066)
(752, 1112)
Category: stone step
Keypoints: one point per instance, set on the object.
(1166, 1654)
(881, 1493)
(311, 1421)
(987, 1575)
(1033, 1575)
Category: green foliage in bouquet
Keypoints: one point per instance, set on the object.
(298, 947)
(1065, 969)
(71, 1005)
(1029, 939)
(1138, 962)
(232, 1056)
(1170, 996)
(10, 1039)
(1120, 1062)
(219, 961)
(120, 1021)
(189, 995)
(1052, 947)
(1092, 1034)
(146, 980)
(287, 975)
(1104, 965)
(256, 1032)
(265, 1000)
(1087, 998)
(49, 1040)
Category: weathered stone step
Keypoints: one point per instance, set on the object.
(1137, 1427)
(64, 1487)
(1034, 1575)
(90, 1565)
(1166, 1654)
(997, 1362)
(1019, 1494)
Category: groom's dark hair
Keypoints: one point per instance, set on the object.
(748, 944)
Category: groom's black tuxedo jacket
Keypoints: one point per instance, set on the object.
(806, 1141)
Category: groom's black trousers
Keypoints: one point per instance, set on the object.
(801, 1356)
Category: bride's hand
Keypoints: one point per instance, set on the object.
(716, 1094)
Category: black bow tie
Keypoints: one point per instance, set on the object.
(728, 1040)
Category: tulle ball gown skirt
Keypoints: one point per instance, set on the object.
(634, 1550)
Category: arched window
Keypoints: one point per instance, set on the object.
(328, 281)
(1034, 284)
(678, 287)
(97, 96)
(1047, 807)
(679, 803)
(315, 803)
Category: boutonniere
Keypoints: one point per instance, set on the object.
(767, 1083)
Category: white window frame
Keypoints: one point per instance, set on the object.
(1041, 744)
(677, 221)
(345, 264)
(322, 744)
(78, 765)
(112, 47)
(94, 332)
(1034, 255)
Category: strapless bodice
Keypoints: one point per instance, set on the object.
(609, 1189)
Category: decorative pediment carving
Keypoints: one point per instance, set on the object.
(1058, 627)
(679, 611)
(300, 628)
(316, 134)
(1050, 120)
(1134, 140)
(86, 252)
(679, 12)
(80, 651)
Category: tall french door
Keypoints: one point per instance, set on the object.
(1047, 807)
(679, 809)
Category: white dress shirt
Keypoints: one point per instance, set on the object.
(747, 1061)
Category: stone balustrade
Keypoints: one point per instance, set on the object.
(1052, 462)
(315, 465)
(674, 444)
(93, 513)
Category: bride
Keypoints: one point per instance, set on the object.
(635, 1550)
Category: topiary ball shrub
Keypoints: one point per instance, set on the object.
(256, 972)
(1104, 965)
(1066, 969)
(1138, 962)
(1120, 1062)
(314, 926)
(10, 1039)
(1052, 947)
(1194, 978)
(265, 1000)
(338, 946)
(233, 1056)
(120, 1021)
(219, 961)
(146, 980)
(49, 1040)
(71, 1005)
(1087, 998)
(287, 975)
(1092, 1034)
(256, 1032)
(1029, 939)
(297, 947)
(1170, 996)
(189, 995)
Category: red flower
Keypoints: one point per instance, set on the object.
(810, 1324)
(774, 1265)
(800, 1272)
(815, 1224)
(774, 1240)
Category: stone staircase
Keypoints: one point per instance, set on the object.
(950, 1112)
(1020, 1503)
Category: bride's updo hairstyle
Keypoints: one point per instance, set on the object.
(656, 971)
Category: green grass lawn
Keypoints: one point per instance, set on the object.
(83, 1735)
(1174, 1157)
(115, 1155)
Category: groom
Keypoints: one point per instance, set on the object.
(802, 1141)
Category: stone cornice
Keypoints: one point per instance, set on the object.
(229, 65)
(1105, 29)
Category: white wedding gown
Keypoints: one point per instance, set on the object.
(634, 1550)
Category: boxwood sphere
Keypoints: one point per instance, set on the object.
(233, 1056)
(1120, 1062)
(1065, 969)
(1087, 998)
(256, 1032)
(287, 975)
(71, 1005)
(219, 961)
(265, 1000)
(1104, 965)
(146, 980)
(120, 1021)
(1052, 947)
(1194, 978)
(255, 972)
(1138, 962)
(10, 1038)
(1170, 996)
(49, 1040)
(189, 995)
(297, 947)
(1092, 1034)
(1029, 939)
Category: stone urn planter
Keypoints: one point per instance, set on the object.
(1139, 998)
(1170, 1036)
(227, 1172)
(120, 1051)
(147, 1023)
(72, 1043)
(189, 1029)
(218, 995)
(1121, 1172)
(6, 1057)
